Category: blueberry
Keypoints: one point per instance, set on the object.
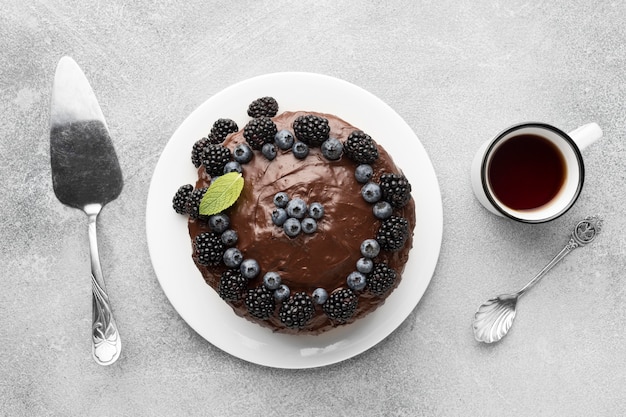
(233, 257)
(219, 222)
(300, 150)
(356, 281)
(281, 199)
(371, 192)
(250, 268)
(279, 215)
(296, 208)
(232, 166)
(284, 139)
(229, 237)
(320, 295)
(332, 149)
(382, 210)
(269, 151)
(364, 265)
(243, 153)
(316, 210)
(370, 248)
(282, 293)
(363, 173)
(309, 225)
(271, 280)
(292, 227)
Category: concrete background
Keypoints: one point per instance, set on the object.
(457, 71)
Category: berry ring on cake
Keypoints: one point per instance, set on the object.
(300, 221)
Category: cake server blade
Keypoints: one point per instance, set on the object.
(85, 175)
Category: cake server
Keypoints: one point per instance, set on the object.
(85, 175)
(494, 318)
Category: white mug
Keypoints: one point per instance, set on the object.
(532, 172)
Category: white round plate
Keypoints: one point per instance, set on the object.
(170, 246)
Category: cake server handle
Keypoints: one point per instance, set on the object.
(106, 343)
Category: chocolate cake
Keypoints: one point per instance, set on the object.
(321, 230)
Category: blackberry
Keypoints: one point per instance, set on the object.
(193, 202)
(231, 285)
(310, 129)
(360, 148)
(179, 202)
(259, 131)
(396, 189)
(341, 305)
(297, 311)
(381, 279)
(260, 302)
(215, 158)
(222, 128)
(197, 151)
(209, 248)
(264, 106)
(392, 233)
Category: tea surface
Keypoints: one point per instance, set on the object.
(526, 172)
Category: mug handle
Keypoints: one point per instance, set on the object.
(586, 135)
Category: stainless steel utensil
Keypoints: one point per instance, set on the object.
(495, 317)
(85, 175)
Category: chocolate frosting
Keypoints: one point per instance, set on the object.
(324, 258)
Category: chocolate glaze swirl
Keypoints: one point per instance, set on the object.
(323, 259)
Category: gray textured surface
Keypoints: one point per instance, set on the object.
(457, 71)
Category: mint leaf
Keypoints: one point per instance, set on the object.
(221, 194)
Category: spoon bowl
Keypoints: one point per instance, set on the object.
(495, 317)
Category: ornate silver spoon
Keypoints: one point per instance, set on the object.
(495, 317)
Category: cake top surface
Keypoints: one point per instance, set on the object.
(323, 259)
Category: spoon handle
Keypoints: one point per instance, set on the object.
(584, 233)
